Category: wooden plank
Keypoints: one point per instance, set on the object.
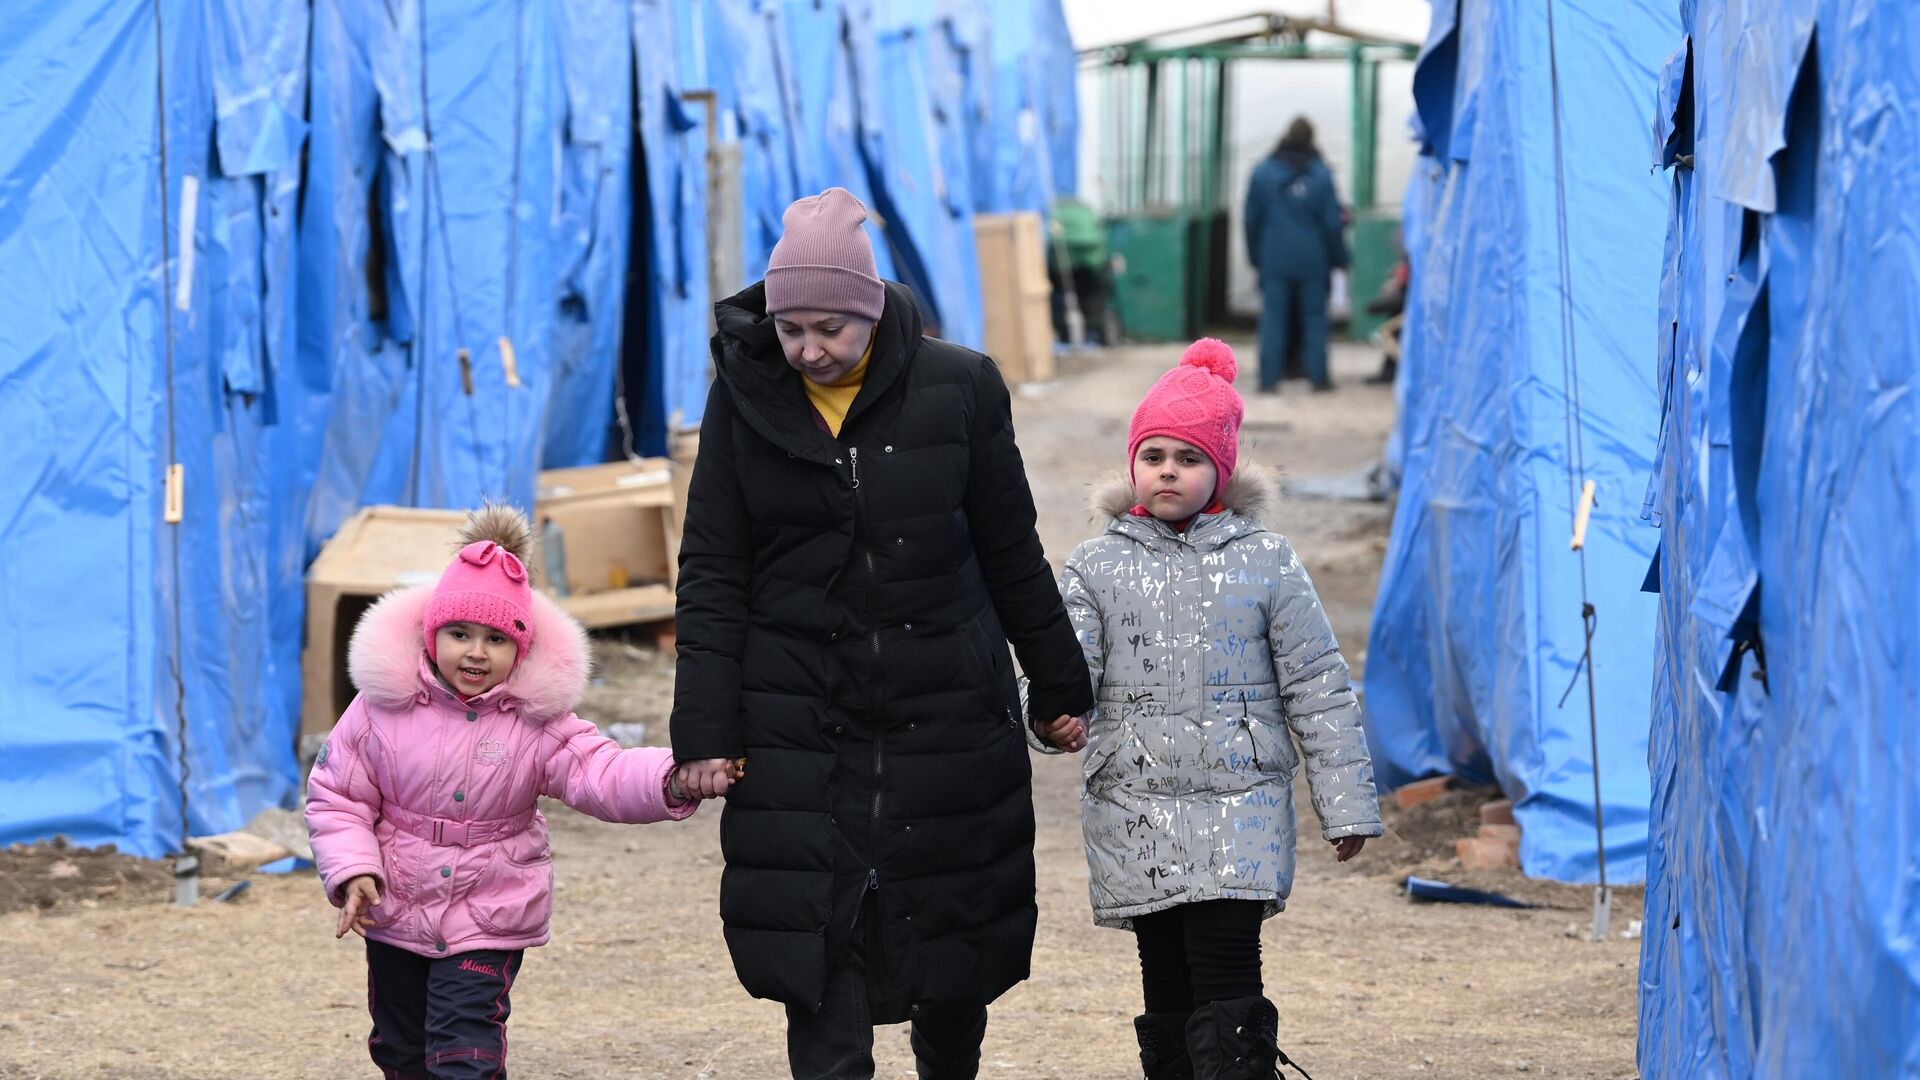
(648, 474)
(620, 607)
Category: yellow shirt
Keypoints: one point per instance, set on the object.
(832, 400)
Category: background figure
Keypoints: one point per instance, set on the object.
(1295, 240)
(1077, 260)
(1391, 302)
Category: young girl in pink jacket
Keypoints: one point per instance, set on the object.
(423, 802)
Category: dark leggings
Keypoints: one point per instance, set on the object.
(1196, 953)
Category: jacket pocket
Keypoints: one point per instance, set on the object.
(513, 896)
(1269, 744)
(1099, 770)
(1100, 773)
(1275, 749)
(985, 677)
(400, 869)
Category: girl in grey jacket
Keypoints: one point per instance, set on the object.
(1206, 643)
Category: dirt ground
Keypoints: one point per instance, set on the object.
(103, 978)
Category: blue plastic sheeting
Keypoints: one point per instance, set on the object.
(816, 96)
(823, 116)
(510, 235)
(95, 405)
(287, 331)
(592, 237)
(675, 136)
(744, 40)
(505, 236)
(1478, 629)
(1030, 152)
(351, 194)
(782, 73)
(1786, 821)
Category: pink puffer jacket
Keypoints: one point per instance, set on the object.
(437, 798)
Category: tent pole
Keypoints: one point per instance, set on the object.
(186, 867)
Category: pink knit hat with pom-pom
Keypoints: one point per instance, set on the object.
(487, 581)
(1195, 403)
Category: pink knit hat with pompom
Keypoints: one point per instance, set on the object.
(1195, 403)
(487, 581)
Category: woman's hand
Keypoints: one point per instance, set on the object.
(1067, 733)
(362, 893)
(1348, 846)
(707, 778)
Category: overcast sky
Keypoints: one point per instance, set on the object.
(1102, 22)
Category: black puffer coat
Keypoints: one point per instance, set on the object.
(844, 612)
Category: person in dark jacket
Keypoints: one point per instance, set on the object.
(1296, 239)
(859, 550)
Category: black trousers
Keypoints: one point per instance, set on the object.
(836, 1043)
(1198, 953)
(441, 1018)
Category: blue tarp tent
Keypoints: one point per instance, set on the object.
(1786, 819)
(1512, 400)
(817, 95)
(1029, 153)
(782, 70)
(267, 275)
(148, 323)
(914, 140)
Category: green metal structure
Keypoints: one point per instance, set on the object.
(1164, 131)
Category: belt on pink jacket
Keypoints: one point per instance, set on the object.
(446, 832)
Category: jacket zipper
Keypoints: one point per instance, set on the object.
(1246, 722)
(879, 759)
(873, 883)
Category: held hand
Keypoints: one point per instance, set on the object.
(1348, 846)
(707, 778)
(1067, 733)
(362, 893)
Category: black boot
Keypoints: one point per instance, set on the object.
(1163, 1045)
(1237, 1040)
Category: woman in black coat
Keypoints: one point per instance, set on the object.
(859, 550)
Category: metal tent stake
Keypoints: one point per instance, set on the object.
(1585, 501)
(186, 880)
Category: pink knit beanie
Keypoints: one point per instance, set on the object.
(487, 581)
(1195, 403)
(824, 261)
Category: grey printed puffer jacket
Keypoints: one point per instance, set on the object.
(1204, 648)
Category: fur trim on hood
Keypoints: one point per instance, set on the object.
(1252, 491)
(389, 646)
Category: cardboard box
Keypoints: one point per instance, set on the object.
(377, 550)
(1016, 294)
(615, 523)
(685, 448)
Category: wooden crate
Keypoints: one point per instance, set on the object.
(1016, 294)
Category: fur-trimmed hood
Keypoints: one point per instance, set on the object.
(1251, 492)
(387, 658)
